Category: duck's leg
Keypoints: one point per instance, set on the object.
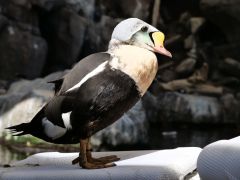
(101, 160)
(83, 160)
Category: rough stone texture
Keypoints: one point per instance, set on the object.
(230, 66)
(186, 66)
(131, 128)
(97, 39)
(64, 30)
(22, 53)
(231, 108)
(184, 108)
(19, 11)
(225, 14)
(85, 8)
(3, 21)
(121, 8)
(22, 101)
(196, 23)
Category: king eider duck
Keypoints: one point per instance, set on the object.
(98, 90)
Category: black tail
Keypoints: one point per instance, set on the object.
(20, 129)
(28, 128)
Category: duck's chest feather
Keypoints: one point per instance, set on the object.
(101, 100)
(138, 63)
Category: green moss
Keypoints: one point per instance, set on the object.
(31, 141)
(27, 139)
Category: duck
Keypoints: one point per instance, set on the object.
(98, 90)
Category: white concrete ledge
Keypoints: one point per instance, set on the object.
(163, 164)
(220, 160)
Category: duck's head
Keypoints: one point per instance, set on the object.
(136, 32)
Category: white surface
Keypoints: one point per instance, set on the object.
(220, 160)
(164, 164)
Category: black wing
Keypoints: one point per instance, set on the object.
(101, 100)
(82, 68)
(60, 103)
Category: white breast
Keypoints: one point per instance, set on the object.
(140, 64)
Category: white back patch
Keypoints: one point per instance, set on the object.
(66, 120)
(51, 130)
(96, 71)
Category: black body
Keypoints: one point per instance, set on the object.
(96, 104)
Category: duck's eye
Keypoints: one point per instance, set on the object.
(144, 29)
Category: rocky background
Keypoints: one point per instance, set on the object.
(194, 100)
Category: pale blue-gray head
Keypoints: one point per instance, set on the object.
(136, 32)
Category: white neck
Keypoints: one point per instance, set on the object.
(114, 44)
(139, 63)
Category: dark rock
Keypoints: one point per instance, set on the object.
(231, 67)
(222, 51)
(189, 42)
(2, 91)
(98, 35)
(3, 22)
(230, 82)
(130, 129)
(179, 108)
(186, 66)
(3, 84)
(172, 10)
(3, 87)
(84, 8)
(123, 9)
(196, 23)
(167, 75)
(238, 95)
(20, 11)
(22, 54)
(231, 108)
(64, 30)
(183, 108)
(225, 14)
(21, 2)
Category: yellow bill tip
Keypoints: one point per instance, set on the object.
(158, 38)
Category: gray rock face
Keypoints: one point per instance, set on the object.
(121, 8)
(230, 108)
(196, 109)
(64, 31)
(22, 53)
(85, 8)
(186, 66)
(130, 129)
(230, 66)
(22, 101)
(225, 14)
(30, 27)
(97, 39)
